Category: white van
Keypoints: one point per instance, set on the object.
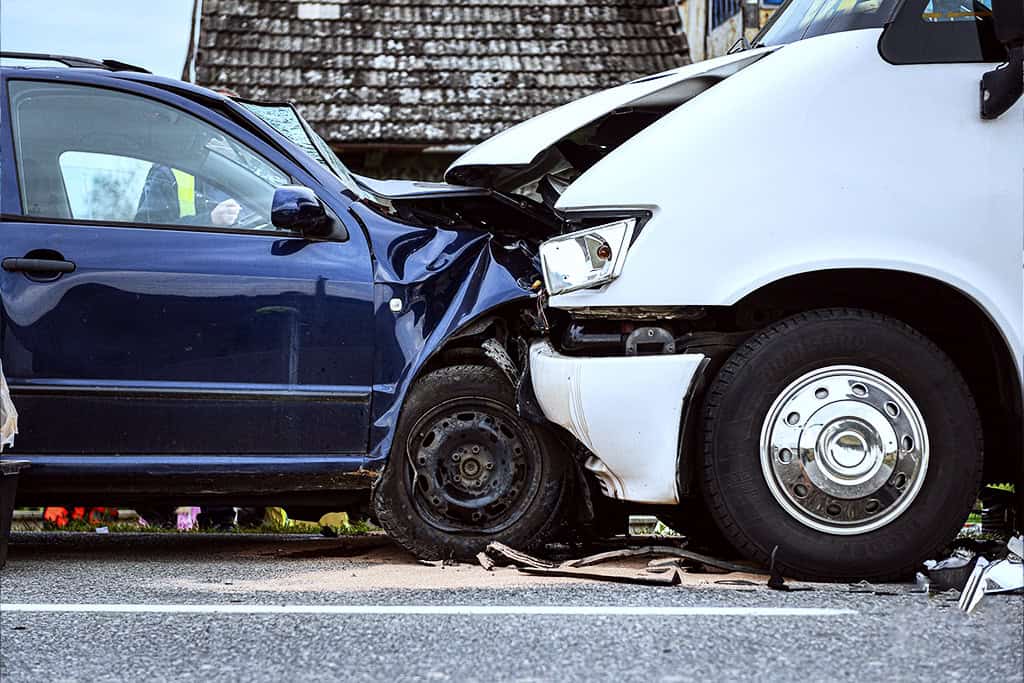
(815, 330)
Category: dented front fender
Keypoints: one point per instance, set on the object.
(430, 282)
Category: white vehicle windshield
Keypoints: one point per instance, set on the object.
(799, 19)
(918, 31)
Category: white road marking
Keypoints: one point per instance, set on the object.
(459, 610)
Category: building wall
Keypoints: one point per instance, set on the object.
(696, 16)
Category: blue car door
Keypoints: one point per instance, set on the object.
(149, 306)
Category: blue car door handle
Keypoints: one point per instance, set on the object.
(53, 267)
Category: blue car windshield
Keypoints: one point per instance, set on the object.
(799, 19)
(287, 121)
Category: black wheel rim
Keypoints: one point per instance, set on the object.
(473, 466)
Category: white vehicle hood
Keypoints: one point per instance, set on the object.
(514, 157)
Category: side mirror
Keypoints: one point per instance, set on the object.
(298, 209)
(1003, 86)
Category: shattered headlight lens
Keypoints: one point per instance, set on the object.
(586, 258)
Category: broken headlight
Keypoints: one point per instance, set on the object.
(586, 258)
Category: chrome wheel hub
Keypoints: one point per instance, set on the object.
(844, 450)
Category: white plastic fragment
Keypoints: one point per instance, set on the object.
(1016, 546)
(1002, 576)
(8, 415)
(973, 592)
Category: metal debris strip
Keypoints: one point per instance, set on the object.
(496, 352)
(504, 556)
(664, 571)
(485, 561)
(676, 555)
(775, 580)
(8, 415)
(439, 563)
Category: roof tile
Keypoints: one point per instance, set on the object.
(431, 71)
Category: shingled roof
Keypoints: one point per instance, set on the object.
(431, 72)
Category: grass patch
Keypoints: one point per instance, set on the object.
(290, 528)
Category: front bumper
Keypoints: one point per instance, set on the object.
(627, 410)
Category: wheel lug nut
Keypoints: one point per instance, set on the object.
(475, 449)
(785, 456)
(456, 457)
(458, 479)
(489, 465)
(800, 490)
(833, 510)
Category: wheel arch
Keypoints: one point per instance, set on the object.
(465, 345)
(459, 344)
(940, 311)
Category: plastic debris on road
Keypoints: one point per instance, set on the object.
(950, 573)
(1001, 576)
(8, 415)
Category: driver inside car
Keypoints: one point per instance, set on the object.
(170, 196)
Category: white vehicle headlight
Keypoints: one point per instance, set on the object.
(586, 258)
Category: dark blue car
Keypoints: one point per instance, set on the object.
(201, 304)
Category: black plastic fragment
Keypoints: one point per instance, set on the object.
(775, 580)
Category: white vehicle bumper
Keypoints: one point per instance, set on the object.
(626, 410)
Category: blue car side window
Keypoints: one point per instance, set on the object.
(91, 154)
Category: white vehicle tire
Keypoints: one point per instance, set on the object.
(844, 438)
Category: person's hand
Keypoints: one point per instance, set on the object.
(225, 213)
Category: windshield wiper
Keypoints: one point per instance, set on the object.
(743, 44)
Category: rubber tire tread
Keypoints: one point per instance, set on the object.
(737, 402)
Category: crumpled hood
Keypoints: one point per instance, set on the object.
(523, 153)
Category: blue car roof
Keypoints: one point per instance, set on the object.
(103, 69)
(100, 72)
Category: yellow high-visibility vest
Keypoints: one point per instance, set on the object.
(186, 192)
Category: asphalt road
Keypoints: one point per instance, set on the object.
(295, 608)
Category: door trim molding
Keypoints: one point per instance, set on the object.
(191, 390)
